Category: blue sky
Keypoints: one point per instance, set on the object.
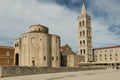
(60, 16)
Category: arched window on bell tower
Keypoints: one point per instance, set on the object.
(80, 51)
(83, 33)
(80, 42)
(83, 23)
(84, 42)
(83, 51)
(80, 33)
(79, 24)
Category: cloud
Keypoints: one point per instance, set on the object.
(17, 16)
(76, 1)
(104, 19)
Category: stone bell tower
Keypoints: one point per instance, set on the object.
(84, 35)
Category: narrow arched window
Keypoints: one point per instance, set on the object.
(80, 24)
(84, 42)
(80, 33)
(80, 51)
(39, 29)
(44, 58)
(52, 58)
(83, 33)
(83, 23)
(84, 51)
(80, 42)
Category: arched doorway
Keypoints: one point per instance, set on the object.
(17, 59)
(33, 63)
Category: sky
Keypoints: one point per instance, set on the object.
(60, 16)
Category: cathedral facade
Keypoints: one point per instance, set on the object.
(37, 48)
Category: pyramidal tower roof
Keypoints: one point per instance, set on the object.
(83, 11)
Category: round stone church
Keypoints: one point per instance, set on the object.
(37, 48)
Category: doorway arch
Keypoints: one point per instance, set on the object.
(17, 59)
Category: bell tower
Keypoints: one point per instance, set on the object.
(84, 35)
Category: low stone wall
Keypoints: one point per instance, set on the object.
(7, 71)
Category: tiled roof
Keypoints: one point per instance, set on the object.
(1, 46)
(66, 49)
(109, 47)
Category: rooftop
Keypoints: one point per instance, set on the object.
(1, 46)
(109, 47)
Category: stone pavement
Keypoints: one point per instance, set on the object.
(109, 74)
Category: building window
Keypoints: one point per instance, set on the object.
(116, 59)
(105, 55)
(80, 42)
(84, 42)
(80, 34)
(44, 58)
(83, 33)
(81, 51)
(7, 53)
(16, 44)
(111, 50)
(80, 24)
(106, 51)
(96, 51)
(83, 23)
(57, 58)
(116, 54)
(39, 29)
(52, 58)
(84, 51)
(105, 58)
(100, 55)
(110, 55)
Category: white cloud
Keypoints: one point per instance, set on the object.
(17, 16)
(101, 24)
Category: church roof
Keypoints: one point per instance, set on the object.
(109, 47)
(39, 26)
(1, 46)
(66, 49)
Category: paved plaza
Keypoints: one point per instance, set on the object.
(109, 74)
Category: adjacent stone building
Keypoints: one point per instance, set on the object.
(6, 55)
(69, 58)
(107, 55)
(37, 48)
(85, 35)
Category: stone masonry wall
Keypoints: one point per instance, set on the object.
(7, 71)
